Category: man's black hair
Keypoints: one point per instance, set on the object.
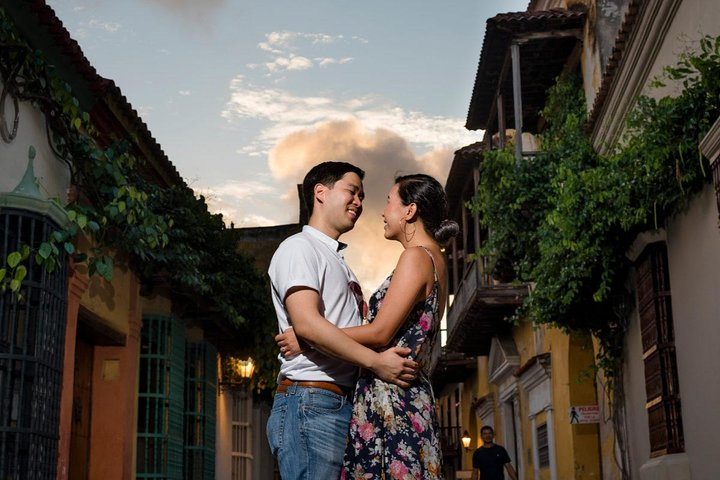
(326, 173)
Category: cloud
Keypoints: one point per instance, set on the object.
(185, 93)
(285, 113)
(289, 63)
(287, 40)
(109, 27)
(325, 61)
(239, 190)
(383, 155)
(235, 199)
(282, 47)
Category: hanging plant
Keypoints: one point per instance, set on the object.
(166, 232)
(566, 218)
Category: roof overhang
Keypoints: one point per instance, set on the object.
(460, 177)
(546, 39)
(111, 112)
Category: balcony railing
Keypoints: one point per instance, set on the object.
(478, 310)
(474, 277)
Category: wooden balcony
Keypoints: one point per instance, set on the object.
(479, 310)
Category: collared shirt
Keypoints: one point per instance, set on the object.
(312, 259)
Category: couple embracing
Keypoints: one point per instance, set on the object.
(328, 420)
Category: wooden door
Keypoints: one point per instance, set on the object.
(82, 396)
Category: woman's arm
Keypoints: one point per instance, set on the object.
(409, 285)
(411, 282)
(390, 365)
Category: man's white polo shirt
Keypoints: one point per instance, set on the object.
(314, 260)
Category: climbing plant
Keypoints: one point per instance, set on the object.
(162, 231)
(565, 218)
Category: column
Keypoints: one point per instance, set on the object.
(517, 99)
(551, 442)
(77, 284)
(536, 456)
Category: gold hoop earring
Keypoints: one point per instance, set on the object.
(409, 237)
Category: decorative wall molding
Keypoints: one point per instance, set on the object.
(504, 359)
(643, 46)
(710, 145)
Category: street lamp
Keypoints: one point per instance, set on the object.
(244, 368)
(236, 378)
(465, 439)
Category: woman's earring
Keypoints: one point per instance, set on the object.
(409, 237)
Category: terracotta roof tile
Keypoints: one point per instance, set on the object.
(614, 60)
(100, 86)
(540, 60)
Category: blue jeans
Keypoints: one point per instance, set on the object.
(307, 431)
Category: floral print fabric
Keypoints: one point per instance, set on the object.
(393, 431)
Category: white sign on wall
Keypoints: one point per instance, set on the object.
(585, 414)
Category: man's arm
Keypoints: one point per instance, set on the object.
(475, 474)
(303, 303)
(511, 471)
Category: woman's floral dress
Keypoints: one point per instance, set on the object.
(393, 431)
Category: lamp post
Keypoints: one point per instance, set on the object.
(236, 381)
(244, 368)
(465, 439)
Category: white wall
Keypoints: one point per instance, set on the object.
(638, 435)
(693, 19)
(694, 261)
(52, 173)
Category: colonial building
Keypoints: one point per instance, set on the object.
(534, 383)
(112, 377)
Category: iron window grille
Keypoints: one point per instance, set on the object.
(176, 403)
(543, 446)
(200, 405)
(160, 399)
(32, 338)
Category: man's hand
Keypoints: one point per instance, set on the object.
(393, 366)
(290, 345)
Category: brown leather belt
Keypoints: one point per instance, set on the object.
(285, 383)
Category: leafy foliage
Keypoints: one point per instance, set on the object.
(164, 231)
(565, 218)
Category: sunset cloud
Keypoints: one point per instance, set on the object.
(287, 113)
(236, 200)
(383, 155)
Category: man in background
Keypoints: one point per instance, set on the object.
(490, 459)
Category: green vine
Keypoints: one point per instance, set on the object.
(565, 218)
(164, 232)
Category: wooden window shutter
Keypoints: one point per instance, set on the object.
(658, 344)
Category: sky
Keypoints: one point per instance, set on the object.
(245, 96)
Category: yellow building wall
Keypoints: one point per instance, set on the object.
(572, 358)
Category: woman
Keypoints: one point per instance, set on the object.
(393, 431)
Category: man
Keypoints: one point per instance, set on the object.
(490, 459)
(314, 290)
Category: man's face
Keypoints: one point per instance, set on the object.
(343, 203)
(487, 436)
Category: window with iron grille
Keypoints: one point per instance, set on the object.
(543, 446)
(242, 454)
(200, 395)
(32, 339)
(160, 399)
(658, 345)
